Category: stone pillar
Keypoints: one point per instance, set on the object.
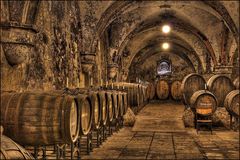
(112, 71)
(87, 62)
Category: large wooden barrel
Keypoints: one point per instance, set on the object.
(190, 84)
(236, 83)
(203, 102)
(220, 86)
(11, 150)
(162, 89)
(115, 103)
(176, 90)
(104, 108)
(110, 105)
(231, 103)
(151, 90)
(40, 118)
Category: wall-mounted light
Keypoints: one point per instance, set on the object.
(166, 29)
(165, 45)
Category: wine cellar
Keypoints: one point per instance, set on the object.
(119, 79)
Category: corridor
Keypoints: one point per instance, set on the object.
(159, 133)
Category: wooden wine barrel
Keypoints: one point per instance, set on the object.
(145, 93)
(220, 86)
(140, 93)
(110, 105)
(125, 102)
(203, 102)
(115, 103)
(120, 104)
(190, 84)
(86, 113)
(151, 91)
(84, 104)
(40, 118)
(231, 103)
(162, 89)
(95, 104)
(104, 108)
(176, 90)
(11, 150)
(236, 83)
(133, 93)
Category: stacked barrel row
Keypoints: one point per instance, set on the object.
(205, 97)
(59, 117)
(137, 94)
(164, 89)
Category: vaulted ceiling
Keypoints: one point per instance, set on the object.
(203, 33)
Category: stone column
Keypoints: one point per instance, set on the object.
(87, 62)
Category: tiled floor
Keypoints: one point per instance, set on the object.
(159, 134)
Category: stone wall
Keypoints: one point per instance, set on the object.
(48, 54)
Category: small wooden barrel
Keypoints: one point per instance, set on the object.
(232, 103)
(11, 150)
(145, 93)
(162, 89)
(110, 105)
(120, 104)
(104, 108)
(40, 118)
(203, 102)
(151, 91)
(125, 102)
(115, 103)
(95, 104)
(236, 83)
(176, 90)
(86, 113)
(133, 93)
(84, 103)
(190, 84)
(140, 93)
(220, 86)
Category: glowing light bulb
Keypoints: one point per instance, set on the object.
(166, 29)
(165, 45)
